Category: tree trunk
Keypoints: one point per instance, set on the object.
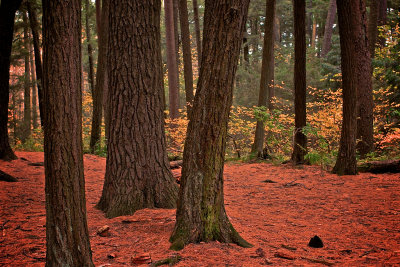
(314, 33)
(346, 163)
(171, 60)
(300, 140)
(187, 54)
(38, 60)
(245, 47)
(382, 17)
(34, 92)
(365, 116)
(101, 77)
(330, 19)
(392, 166)
(67, 235)
(197, 30)
(201, 214)
(177, 44)
(267, 76)
(27, 83)
(89, 48)
(138, 174)
(7, 14)
(373, 26)
(309, 23)
(254, 41)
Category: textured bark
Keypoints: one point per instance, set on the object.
(100, 92)
(137, 170)
(34, 91)
(267, 76)
(201, 214)
(171, 60)
(300, 140)
(7, 14)
(330, 19)
(197, 30)
(67, 236)
(187, 54)
(27, 82)
(373, 25)
(346, 163)
(365, 117)
(33, 21)
(89, 48)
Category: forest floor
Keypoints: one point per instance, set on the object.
(276, 208)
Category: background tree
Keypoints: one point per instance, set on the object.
(7, 15)
(89, 47)
(330, 19)
(197, 29)
(27, 82)
(67, 236)
(137, 169)
(201, 214)
(300, 140)
(346, 162)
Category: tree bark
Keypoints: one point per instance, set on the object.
(346, 163)
(177, 44)
(27, 83)
(267, 76)
(33, 21)
(7, 15)
(187, 54)
(138, 174)
(330, 19)
(314, 33)
(89, 48)
(245, 47)
(67, 236)
(201, 214)
(300, 140)
(171, 60)
(100, 92)
(34, 91)
(197, 30)
(373, 26)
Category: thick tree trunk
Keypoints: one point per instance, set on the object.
(330, 19)
(89, 48)
(346, 163)
(137, 172)
(7, 14)
(27, 83)
(67, 235)
(171, 60)
(365, 116)
(373, 26)
(38, 60)
(197, 30)
(267, 76)
(300, 140)
(187, 54)
(100, 92)
(201, 214)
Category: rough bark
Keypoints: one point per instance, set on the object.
(137, 170)
(346, 163)
(267, 76)
(300, 140)
(365, 128)
(33, 21)
(171, 60)
(373, 25)
(27, 83)
(201, 214)
(197, 30)
(7, 14)
(330, 19)
(67, 236)
(187, 54)
(101, 84)
(89, 48)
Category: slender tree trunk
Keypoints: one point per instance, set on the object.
(100, 92)
(382, 17)
(309, 23)
(197, 30)
(254, 34)
(346, 162)
(267, 76)
(314, 33)
(34, 91)
(278, 37)
(187, 54)
(330, 19)
(365, 117)
(89, 48)
(67, 235)
(177, 44)
(7, 15)
(38, 60)
(171, 60)
(300, 140)
(245, 46)
(137, 170)
(201, 214)
(373, 26)
(27, 83)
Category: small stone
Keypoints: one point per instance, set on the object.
(111, 256)
(104, 231)
(315, 242)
